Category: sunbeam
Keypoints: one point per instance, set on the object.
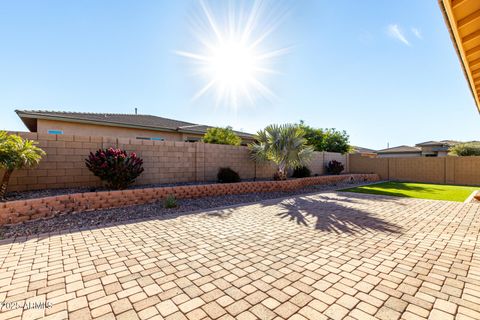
(232, 57)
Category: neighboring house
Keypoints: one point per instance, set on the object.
(137, 126)
(436, 148)
(400, 151)
(365, 152)
(424, 149)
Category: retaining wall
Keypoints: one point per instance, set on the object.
(13, 212)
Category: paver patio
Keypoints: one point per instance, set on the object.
(329, 255)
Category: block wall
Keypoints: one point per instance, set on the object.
(164, 161)
(442, 170)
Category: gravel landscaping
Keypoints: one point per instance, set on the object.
(97, 218)
(24, 195)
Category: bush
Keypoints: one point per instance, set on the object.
(335, 167)
(170, 202)
(222, 136)
(466, 149)
(16, 153)
(227, 175)
(301, 172)
(330, 140)
(115, 167)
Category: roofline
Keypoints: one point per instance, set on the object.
(26, 114)
(411, 151)
(459, 53)
(33, 115)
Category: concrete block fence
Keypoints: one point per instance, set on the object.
(13, 212)
(442, 170)
(164, 161)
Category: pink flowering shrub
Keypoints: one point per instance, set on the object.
(115, 167)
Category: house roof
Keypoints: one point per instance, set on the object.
(438, 143)
(462, 18)
(141, 121)
(357, 149)
(400, 149)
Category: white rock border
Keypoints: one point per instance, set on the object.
(471, 197)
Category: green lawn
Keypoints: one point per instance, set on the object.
(417, 190)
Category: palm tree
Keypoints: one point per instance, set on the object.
(285, 145)
(16, 153)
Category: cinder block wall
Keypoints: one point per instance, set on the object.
(443, 170)
(164, 161)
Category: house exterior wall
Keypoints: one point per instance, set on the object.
(434, 151)
(84, 129)
(399, 155)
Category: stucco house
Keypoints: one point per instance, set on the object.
(424, 149)
(137, 126)
(436, 148)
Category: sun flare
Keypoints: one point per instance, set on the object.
(233, 59)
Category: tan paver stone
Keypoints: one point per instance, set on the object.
(385, 313)
(166, 307)
(437, 314)
(81, 314)
(121, 306)
(322, 256)
(77, 303)
(336, 311)
(191, 304)
(196, 314)
(128, 315)
(214, 310)
(237, 307)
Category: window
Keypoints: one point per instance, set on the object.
(55, 131)
(149, 138)
(192, 139)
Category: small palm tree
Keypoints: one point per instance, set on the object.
(16, 153)
(285, 145)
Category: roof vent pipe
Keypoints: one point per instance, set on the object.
(135, 110)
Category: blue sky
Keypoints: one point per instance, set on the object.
(384, 71)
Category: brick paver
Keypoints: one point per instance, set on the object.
(323, 256)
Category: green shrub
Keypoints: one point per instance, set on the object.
(227, 175)
(170, 202)
(301, 172)
(466, 149)
(222, 136)
(328, 139)
(335, 167)
(16, 153)
(115, 167)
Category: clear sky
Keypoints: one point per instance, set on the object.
(384, 71)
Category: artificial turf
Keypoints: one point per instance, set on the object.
(417, 190)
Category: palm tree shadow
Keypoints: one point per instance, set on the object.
(329, 214)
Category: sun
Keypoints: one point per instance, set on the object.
(232, 57)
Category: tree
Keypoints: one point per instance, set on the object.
(466, 149)
(330, 140)
(222, 136)
(16, 153)
(285, 145)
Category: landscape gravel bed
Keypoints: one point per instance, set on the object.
(93, 219)
(32, 194)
